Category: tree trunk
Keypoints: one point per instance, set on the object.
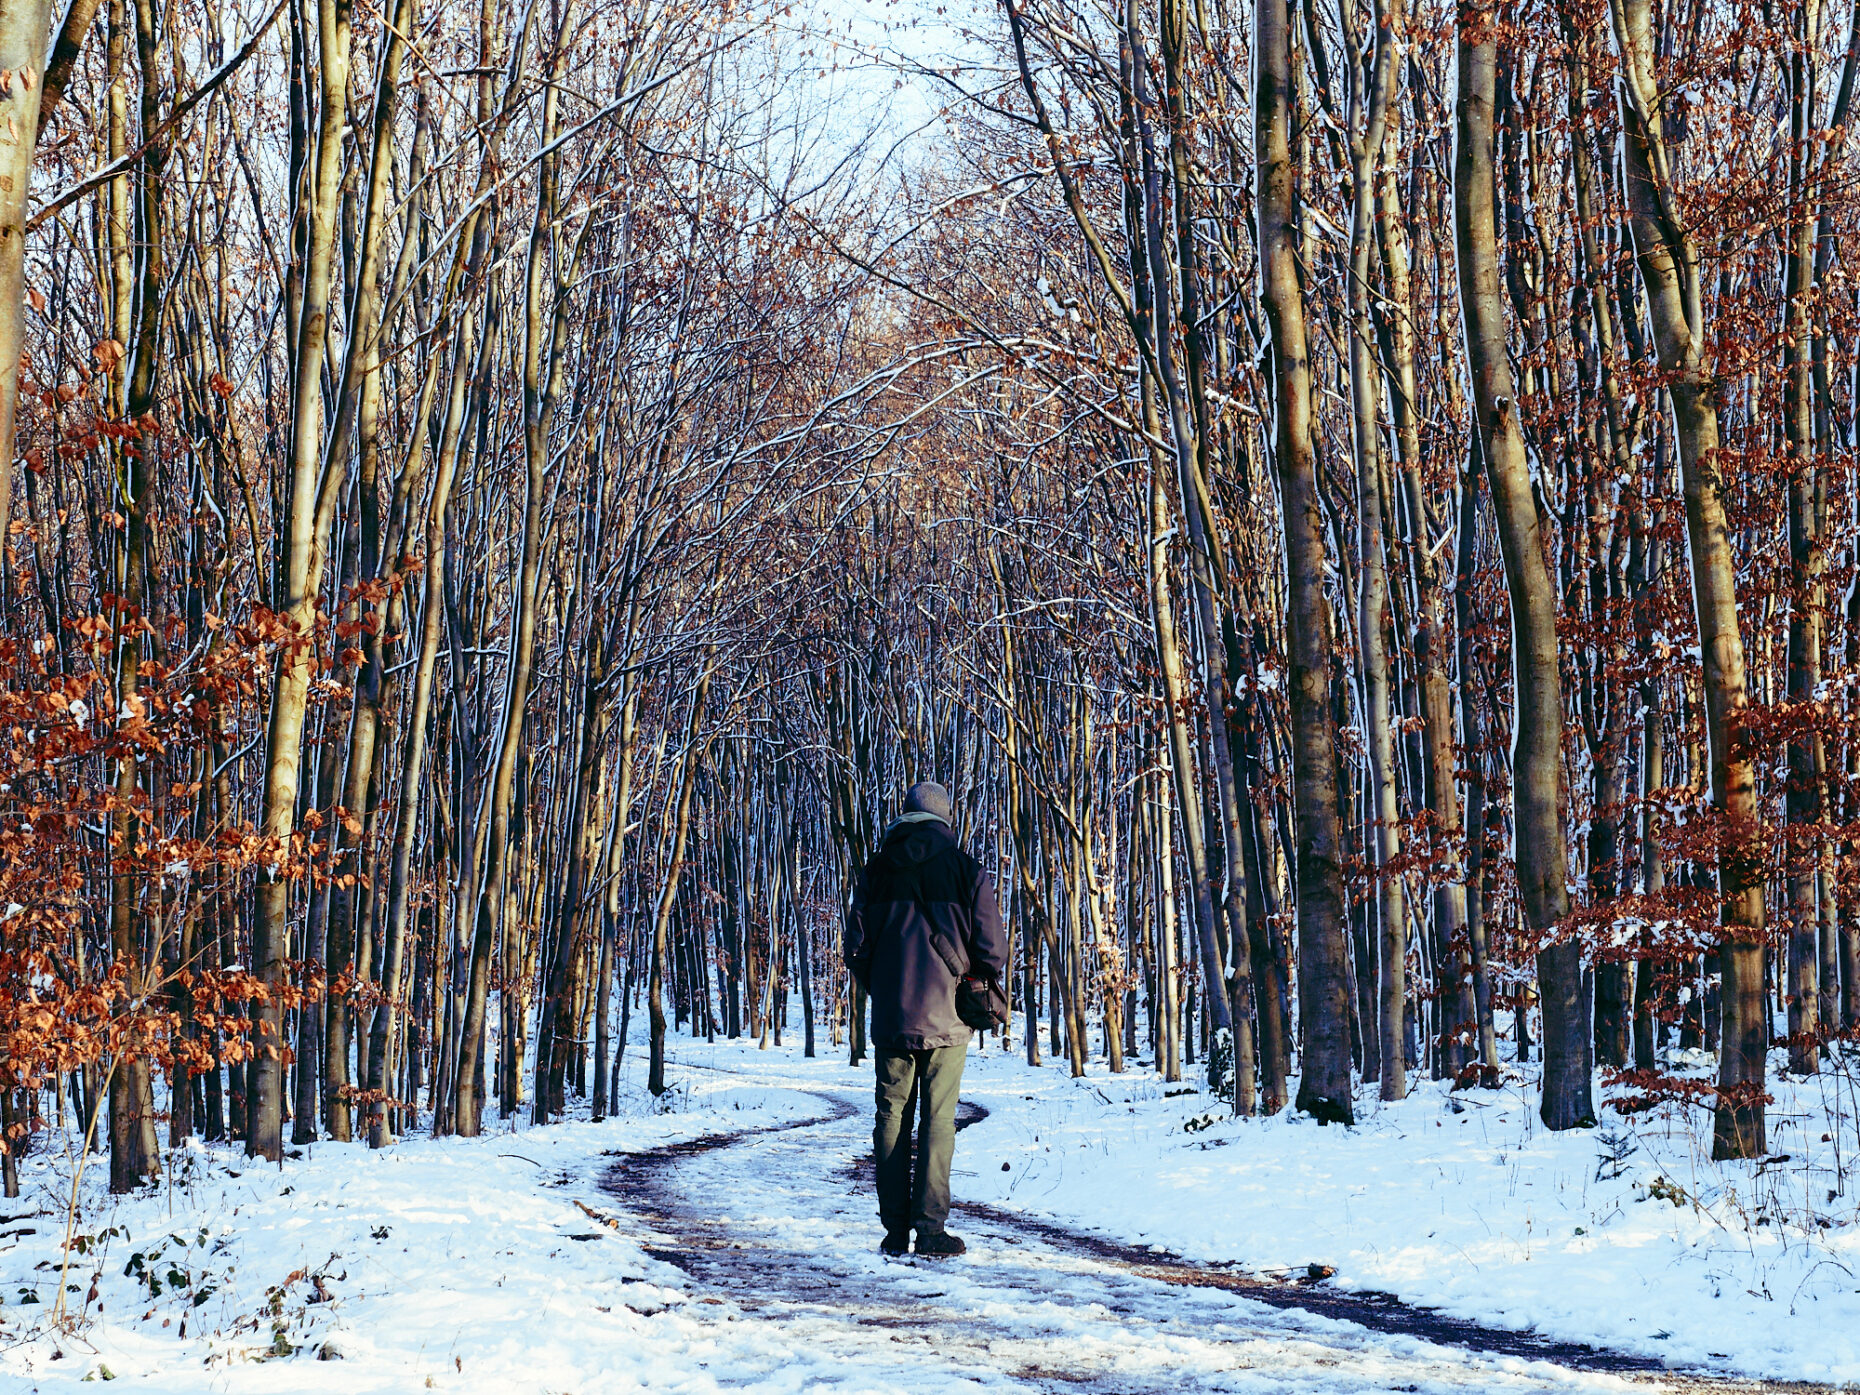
(1669, 272)
(1324, 1090)
(134, 1152)
(361, 385)
(310, 507)
(383, 1033)
(1807, 599)
(606, 1081)
(1539, 835)
(1440, 754)
(668, 893)
(1368, 126)
(544, 330)
(555, 1023)
(24, 26)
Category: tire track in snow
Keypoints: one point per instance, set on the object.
(777, 1220)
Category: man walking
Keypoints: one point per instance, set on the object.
(923, 918)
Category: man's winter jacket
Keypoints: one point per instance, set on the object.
(923, 915)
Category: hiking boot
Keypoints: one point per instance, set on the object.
(940, 1244)
(895, 1243)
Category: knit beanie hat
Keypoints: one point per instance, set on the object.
(928, 797)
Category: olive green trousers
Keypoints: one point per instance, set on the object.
(913, 1185)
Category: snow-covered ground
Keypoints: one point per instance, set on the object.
(457, 1265)
(1627, 1236)
(473, 1265)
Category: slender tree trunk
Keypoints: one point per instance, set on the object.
(24, 27)
(1168, 964)
(1652, 869)
(1189, 421)
(134, 1151)
(1669, 272)
(555, 1022)
(1540, 838)
(1608, 720)
(362, 386)
(668, 893)
(798, 904)
(1833, 981)
(1440, 754)
(1325, 1088)
(311, 504)
(383, 1033)
(1807, 599)
(544, 330)
(1368, 128)
(606, 1081)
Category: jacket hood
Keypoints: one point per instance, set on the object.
(910, 841)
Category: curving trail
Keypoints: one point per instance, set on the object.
(780, 1223)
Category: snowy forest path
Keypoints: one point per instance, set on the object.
(779, 1222)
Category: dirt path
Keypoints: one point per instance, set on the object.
(777, 1224)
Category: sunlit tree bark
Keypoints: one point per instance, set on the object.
(1669, 271)
(1540, 837)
